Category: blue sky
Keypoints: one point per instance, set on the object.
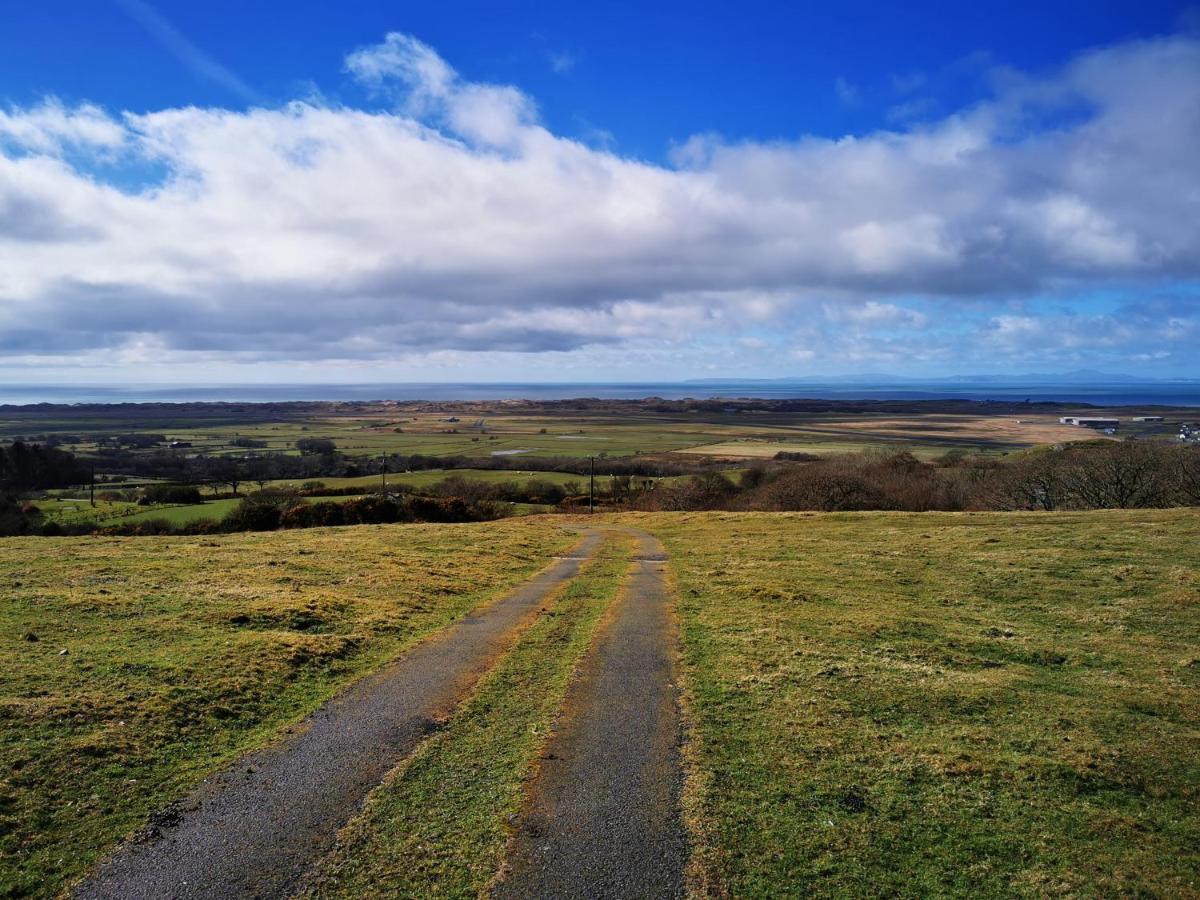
(441, 191)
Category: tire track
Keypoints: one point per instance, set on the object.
(604, 816)
(253, 829)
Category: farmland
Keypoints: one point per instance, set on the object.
(575, 429)
(318, 449)
(981, 704)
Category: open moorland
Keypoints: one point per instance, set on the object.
(972, 704)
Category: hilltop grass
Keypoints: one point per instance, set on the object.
(439, 825)
(181, 653)
(943, 704)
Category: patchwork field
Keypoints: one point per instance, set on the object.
(591, 430)
(907, 704)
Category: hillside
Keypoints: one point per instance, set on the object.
(908, 703)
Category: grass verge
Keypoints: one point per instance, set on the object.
(943, 704)
(439, 825)
(130, 668)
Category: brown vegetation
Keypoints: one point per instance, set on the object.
(1094, 475)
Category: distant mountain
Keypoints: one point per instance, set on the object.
(1078, 377)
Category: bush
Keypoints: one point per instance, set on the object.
(262, 511)
(170, 493)
(315, 446)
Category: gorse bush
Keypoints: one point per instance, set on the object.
(266, 511)
(1091, 475)
(170, 493)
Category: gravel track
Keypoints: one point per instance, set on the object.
(604, 816)
(254, 829)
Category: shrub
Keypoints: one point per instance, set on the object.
(314, 446)
(261, 511)
(170, 493)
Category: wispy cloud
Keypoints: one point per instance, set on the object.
(561, 61)
(185, 51)
(846, 93)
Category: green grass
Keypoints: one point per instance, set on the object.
(439, 825)
(990, 704)
(943, 704)
(574, 434)
(209, 510)
(429, 477)
(181, 653)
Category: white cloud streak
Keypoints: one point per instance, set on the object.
(195, 59)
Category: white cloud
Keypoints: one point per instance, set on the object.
(846, 93)
(874, 314)
(403, 57)
(561, 62)
(457, 221)
(51, 128)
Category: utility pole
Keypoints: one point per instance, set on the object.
(92, 487)
(383, 471)
(591, 484)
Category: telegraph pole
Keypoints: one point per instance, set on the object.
(591, 484)
(92, 487)
(383, 471)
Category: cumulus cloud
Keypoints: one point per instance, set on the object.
(455, 220)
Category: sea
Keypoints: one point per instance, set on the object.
(1122, 393)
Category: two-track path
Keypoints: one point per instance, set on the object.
(254, 829)
(604, 816)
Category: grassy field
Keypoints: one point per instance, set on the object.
(989, 704)
(121, 513)
(752, 448)
(443, 818)
(132, 667)
(429, 477)
(941, 704)
(69, 509)
(586, 433)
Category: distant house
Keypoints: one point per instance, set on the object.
(1147, 418)
(1096, 422)
(179, 445)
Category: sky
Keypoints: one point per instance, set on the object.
(371, 191)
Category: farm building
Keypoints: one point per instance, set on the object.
(1147, 418)
(1090, 422)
